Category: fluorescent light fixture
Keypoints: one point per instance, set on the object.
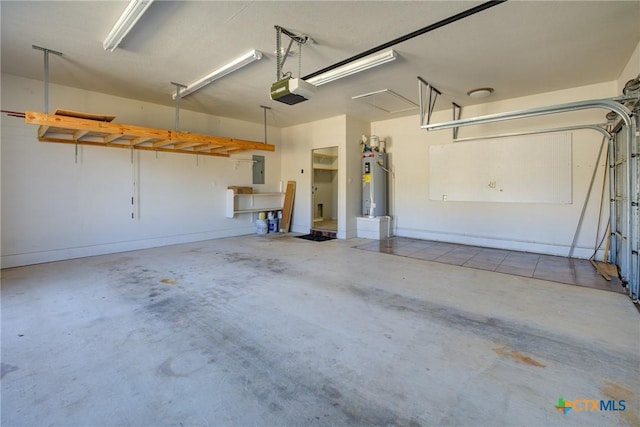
(353, 68)
(125, 23)
(232, 66)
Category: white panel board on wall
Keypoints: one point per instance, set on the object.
(522, 169)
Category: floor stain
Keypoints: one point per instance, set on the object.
(168, 281)
(185, 364)
(518, 357)
(5, 368)
(171, 309)
(331, 392)
(526, 339)
(272, 265)
(165, 369)
(275, 407)
(617, 392)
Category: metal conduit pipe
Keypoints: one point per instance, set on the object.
(628, 276)
(632, 241)
(612, 206)
(535, 132)
(574, 242)
(606, 104)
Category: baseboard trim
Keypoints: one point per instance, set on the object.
(29, 258)
(515, 245)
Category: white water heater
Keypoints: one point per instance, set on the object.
(374, 184)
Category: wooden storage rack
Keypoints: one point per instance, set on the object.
(96, 130)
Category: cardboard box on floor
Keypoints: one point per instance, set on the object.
(240, 190)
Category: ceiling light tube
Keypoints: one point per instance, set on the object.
(125, 23)
(232, 66)
(353, 68)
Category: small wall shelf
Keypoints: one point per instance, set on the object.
(324, 162)
(325, 156)
(255, 202)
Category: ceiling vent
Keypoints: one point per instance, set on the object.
(387, 101)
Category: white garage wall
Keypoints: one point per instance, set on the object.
(54, 208)
(517, 169)
(297, 143)
(541, 228)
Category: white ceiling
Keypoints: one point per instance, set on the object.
(518, 47)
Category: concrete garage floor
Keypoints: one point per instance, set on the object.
(284, 331)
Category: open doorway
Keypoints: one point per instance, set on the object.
(324, 190)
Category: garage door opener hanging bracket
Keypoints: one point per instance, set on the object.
(281, 54)
(431, 103)
(457, 114)
(427, 110)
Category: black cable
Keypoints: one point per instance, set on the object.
(593, 257)
(409, 36)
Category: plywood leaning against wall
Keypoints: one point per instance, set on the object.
(287, 210)
(522, 169)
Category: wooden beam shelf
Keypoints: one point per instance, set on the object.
(86, 129)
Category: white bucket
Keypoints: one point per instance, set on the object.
(274, 225)
(261, 227)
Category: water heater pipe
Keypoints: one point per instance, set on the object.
(372, 205)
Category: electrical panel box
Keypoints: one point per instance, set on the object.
(374, 184)
(258, 169)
